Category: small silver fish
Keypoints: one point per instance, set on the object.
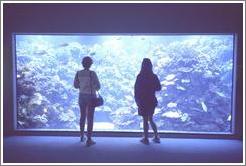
(41, 52)
(63, 45)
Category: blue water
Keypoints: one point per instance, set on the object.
(195, 73)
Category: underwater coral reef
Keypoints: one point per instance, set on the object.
(196, 74)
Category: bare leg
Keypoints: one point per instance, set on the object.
(90, 119)
(153, 125)
(82, 119)
(145, 126)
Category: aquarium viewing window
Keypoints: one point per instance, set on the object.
(196, 72)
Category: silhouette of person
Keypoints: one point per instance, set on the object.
(147, 83)
(87, 82)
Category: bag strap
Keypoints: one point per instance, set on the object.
(91, 84)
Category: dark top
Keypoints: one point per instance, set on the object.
(145, 87)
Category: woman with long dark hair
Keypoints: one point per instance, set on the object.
(87, 82)
(147, 83)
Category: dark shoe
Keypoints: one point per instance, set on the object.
(90, 142)
(156, 140)
(145, 141)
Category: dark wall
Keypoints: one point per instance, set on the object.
(119, 18)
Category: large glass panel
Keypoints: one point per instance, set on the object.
(196, 74)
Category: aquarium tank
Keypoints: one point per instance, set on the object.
(195, 71)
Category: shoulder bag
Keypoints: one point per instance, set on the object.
(98, 100)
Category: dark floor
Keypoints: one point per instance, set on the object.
(49, 149)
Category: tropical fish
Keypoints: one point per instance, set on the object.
(41, 118)
(92, 53)
(229, 118)
(157, 111)
(204, 107)
(181, 88)
(220, 94)
(63, 45)
(40, 52)
(172, 104)
(170, 77)
(21, 123)
(185, 81)
(185, 69)
(172, 114)
(167, 83)
(45, 110)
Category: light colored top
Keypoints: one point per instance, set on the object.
(87, 82)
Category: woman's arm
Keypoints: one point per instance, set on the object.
(137, 91)
(97, 84)
(158, 84)
(76, 81)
